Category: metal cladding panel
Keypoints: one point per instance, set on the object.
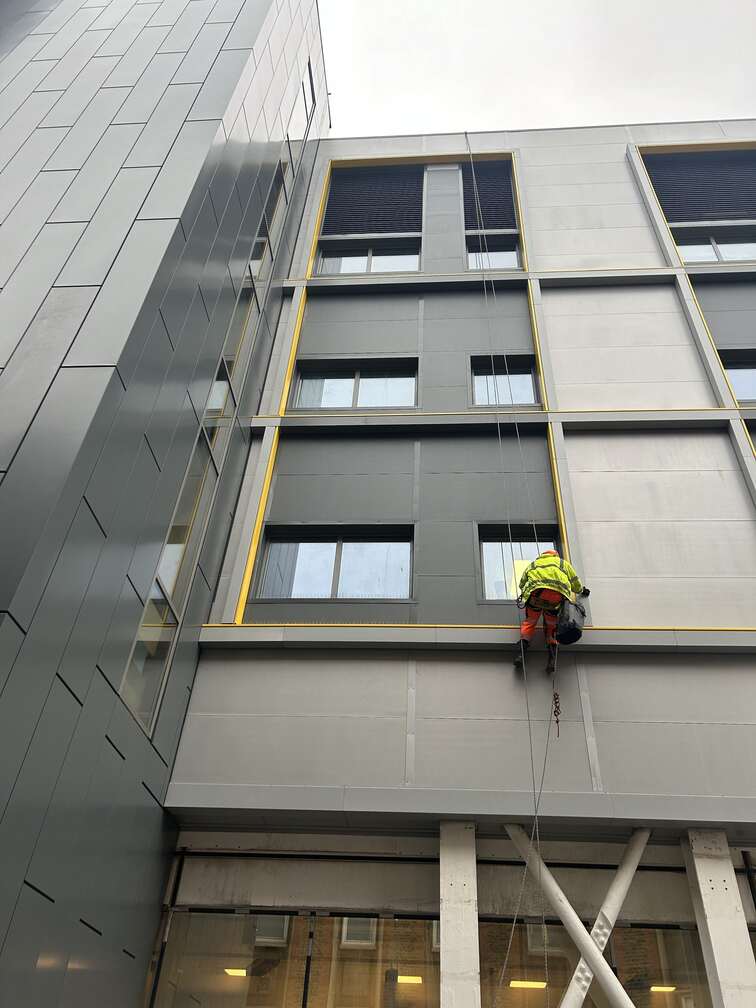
(488, 195)
(705, 185)
(375, 200)
(109, 123)
(730, 312)
(623, 347)
(675, 506)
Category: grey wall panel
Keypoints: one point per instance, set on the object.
(187, 26)
(629, 346)
(203, 52)
(222, 83)
(24, 812)
(103, 336)
(97, 174)
(443, 225)
(177, 177)
(83, 137)
(70, 66)
(24, 165)
(33, 672)
(39, 932)
(45, 462)
(11, 639)
(19, 89)
(30, 373)
(162, 128)
(27, 288)
(101, 242)
(80, 92)
(663, 500)
(730, 311)
(149, 89)
(72, 30)
(126, 31)
(137, 58)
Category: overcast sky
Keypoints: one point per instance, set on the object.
(429, 66)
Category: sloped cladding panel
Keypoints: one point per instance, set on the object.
(375, 200)
(705, 185)
(489, 201)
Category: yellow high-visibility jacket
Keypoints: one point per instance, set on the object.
(550, 572)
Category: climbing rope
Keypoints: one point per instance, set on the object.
(554, 707)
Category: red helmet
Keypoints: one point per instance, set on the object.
(549, 553)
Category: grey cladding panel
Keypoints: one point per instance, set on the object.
(730, 311)
(84, 136)
(163, 126)
(177, 178)
(23, 167)
(38, 929)
(28, 375)
(149, 89)
(78, 95)
(25, 221)
(21, 124)
(137, 58)
(221, 83)
(184, 32)
(70, 66)
(197, 63)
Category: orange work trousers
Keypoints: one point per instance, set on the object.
(533, 610)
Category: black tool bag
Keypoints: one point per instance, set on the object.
(570, 623)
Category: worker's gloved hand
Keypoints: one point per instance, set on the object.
(585, 592)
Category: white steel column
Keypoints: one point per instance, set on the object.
(722, 928)
(458, 880)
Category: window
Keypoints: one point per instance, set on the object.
(328, 565)
(144, 675)
(175, 567)
(392, 257)
(492, 252)
(369, 386)
(741, 371)
(272, 931)
(505, 552)
(723, 244)
(504, 380)
(358, 932)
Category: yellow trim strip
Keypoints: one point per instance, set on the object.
(537, 347)
(557, 492)
(482, 626)
(256, 532)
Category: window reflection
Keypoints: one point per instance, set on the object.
(642, 958)
(144, 675)
(503, 381)
(375, 570)
(504, 560)
(231, 960)
(743, 380)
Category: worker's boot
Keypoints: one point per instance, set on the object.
(551, 660)
(520, 648)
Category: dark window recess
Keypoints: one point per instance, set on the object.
(494, 194)
(490, 252)
(740, 366)
(505, 552)
(337, 563)
(504, 380)
(376, 200)
(705, 185)
(718, 244)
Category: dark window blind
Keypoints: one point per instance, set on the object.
(375, 200)
(494, 185)
(705, 185)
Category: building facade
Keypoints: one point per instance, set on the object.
(285, 419)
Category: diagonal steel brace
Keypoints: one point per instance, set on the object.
(607, 917)
(616, 995)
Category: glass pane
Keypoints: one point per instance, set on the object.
(325, 392)
(493, 259)
(697, 253)
(743, 381)
(259, 257)
(222, 959)
(343, 264)
(400, 262)
(243, 323)
(386, 390)
(174, 567)
(644, 959)
(144, 675)
(399, 968)
(660, 968)
(375, 570)
(503, 389)
(298, 570)
(503, 564)
(734, 251)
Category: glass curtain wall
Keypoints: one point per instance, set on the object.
(658, 967)
(227, 960)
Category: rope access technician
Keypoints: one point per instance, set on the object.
(544, 585)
